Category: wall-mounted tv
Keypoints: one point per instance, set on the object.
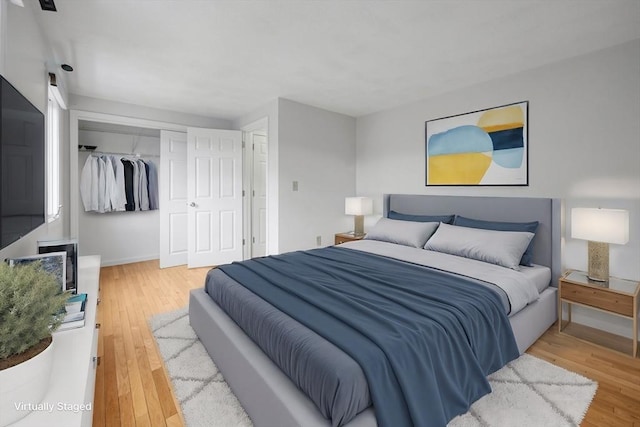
(22, 174)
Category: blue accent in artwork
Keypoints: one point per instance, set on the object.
(510, 158)
(508, 138)
(462, 139)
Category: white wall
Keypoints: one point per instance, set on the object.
(119, 237)
(584, 144)
(23, 55)
(316, 149)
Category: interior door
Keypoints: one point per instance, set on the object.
(259, 196)
(214, 193)
(173, 198)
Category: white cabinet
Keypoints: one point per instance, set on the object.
(70, 394)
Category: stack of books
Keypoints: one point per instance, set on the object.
(74, 317)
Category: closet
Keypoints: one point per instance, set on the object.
(120, 237)
(200, 187)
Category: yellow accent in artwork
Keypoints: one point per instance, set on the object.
(495, 128)
(458, 169)
(512, 116)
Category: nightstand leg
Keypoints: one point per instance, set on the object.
(635, 335)
(559, 315)
(569, 313)
(635, 326)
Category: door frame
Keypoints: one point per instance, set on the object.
(74, 120)
(247, 183)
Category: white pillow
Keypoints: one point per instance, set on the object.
(503, 248)
(408, 233)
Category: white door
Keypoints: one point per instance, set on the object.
(259, 196)
(173, 198)
(214, 193)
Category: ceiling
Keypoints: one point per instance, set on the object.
(225, 58)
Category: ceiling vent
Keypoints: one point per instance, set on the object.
(48, 5)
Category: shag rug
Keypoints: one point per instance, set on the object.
(526, 392)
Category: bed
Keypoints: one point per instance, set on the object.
(271, 398)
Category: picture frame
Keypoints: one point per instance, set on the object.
(70, 246)
(488, 147)
(54, 262)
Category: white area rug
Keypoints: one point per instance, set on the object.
(526, 392)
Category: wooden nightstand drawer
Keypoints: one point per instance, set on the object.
(599, 298)
(341, 238)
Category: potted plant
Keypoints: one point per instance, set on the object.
(31, 308)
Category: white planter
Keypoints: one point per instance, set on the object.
(22, 387)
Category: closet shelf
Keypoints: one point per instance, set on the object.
(93, 151)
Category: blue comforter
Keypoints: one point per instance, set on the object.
(424, 339)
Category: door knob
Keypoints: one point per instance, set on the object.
(192, 204)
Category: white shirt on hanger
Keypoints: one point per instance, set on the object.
(111, 191)
(102, 186)
(87, 180)
(120, 198)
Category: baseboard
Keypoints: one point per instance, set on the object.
(110, 262)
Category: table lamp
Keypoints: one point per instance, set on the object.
(358, 206)
(600, 227)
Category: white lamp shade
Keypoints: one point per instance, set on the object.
(358, 206)
(600, 225)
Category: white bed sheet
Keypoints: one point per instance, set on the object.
(520, 289)
(539, 274)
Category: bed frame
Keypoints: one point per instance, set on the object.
(267, 394)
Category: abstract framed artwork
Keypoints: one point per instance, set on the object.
(53, 263)
(70, 247)
(481, 148)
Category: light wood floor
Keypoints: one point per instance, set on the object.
(132, 388)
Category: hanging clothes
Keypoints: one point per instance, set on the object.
(86, 184)
(143, 186)
(152, 178)
(102, 185)
(112, 184)
(128, 185)
(118, 196)
(136, 185)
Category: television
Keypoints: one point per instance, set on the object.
(22, 160)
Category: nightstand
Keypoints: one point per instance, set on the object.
(346, 237)
(617, 296)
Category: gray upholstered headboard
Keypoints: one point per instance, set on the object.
(547, 243)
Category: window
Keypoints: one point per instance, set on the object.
(53, 158)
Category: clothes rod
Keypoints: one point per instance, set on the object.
(137, 155)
